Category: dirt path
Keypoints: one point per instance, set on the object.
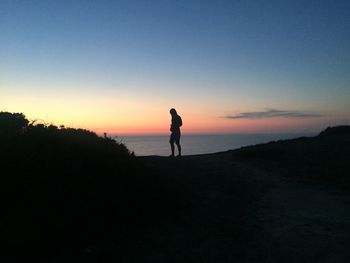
(301, 221)
(215, 221)
(236, 211)
(239, 213)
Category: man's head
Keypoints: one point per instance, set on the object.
(173, 112)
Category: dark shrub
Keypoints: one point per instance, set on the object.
(12, 123)
(62, 189)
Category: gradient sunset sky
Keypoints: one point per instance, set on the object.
(226, 66)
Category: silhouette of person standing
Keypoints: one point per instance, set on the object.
(176, 123)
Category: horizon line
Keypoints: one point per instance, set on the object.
(204, 134)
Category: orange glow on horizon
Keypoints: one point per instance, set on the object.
(131, 116)
(223, 126)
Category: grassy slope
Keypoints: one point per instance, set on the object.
(324, 158)
(62, 189)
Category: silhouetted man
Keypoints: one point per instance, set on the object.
(176, 123)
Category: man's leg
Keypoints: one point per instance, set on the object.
(178, 148)
(171, 141)
(172, 148)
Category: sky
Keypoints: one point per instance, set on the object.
(226, 66)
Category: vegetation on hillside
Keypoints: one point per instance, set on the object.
(62, 189)
(319, 159)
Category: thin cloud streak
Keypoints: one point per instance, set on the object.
(272, 113)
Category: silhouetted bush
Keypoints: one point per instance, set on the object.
(12, 123)
(62, 189)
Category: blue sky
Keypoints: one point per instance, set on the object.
(222, 57)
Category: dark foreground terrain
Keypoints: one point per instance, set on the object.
(286, 201)
(70, 196)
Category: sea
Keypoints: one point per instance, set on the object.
(199, 144)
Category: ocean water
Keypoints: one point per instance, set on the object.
(198, 144)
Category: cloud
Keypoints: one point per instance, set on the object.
(272, 113)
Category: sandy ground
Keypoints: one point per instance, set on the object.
(232, 210)
(237, 212)
(301, 222)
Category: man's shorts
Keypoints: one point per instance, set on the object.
(175, 137)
